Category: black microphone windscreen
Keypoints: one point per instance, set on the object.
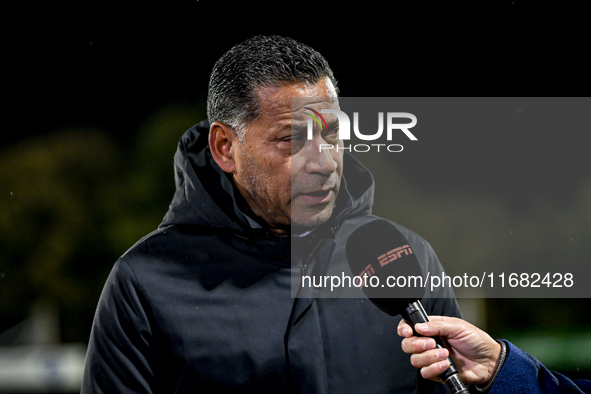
(379, 249)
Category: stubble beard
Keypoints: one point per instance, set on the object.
(257, 184)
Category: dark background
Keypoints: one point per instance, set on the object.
(121, 84)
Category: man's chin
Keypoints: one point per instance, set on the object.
(303, 222)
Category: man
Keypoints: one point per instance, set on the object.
(492, 366)
(204, 303)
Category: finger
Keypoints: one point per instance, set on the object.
(429, 357)
(444, 326)
(414, 345)
(433, 371)
(404, 329)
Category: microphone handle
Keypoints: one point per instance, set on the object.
(415, 313)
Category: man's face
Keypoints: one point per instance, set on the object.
(286, 179)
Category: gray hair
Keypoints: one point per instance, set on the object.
(260, 61)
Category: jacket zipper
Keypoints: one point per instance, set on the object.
(304, 266)
(303, 269)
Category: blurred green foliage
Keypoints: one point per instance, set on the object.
(51, 220)
(71, 203)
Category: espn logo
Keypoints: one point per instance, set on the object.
(394, 254)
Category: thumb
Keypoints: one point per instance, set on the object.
(444, 326)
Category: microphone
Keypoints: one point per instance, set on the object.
(378, 249)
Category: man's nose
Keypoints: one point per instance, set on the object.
(320, 160)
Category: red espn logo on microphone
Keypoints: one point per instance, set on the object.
(385, 259)
(394, 254)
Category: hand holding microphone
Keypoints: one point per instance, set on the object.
(473, 351)
(379, 248)
(470, 355)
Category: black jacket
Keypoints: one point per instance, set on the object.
(203, 304)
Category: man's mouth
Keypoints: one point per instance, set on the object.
(317, 196)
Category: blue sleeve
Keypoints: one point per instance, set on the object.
(122, 354)
(523, 373)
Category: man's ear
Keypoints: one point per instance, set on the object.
(221, 138)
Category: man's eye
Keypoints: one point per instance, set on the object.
(331, 134)
(293, 137)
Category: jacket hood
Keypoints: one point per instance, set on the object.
(206, 196)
